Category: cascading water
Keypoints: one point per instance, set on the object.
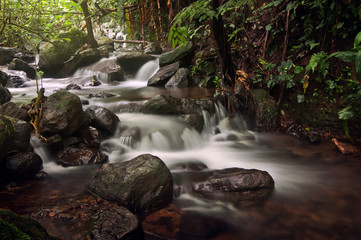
(308, 178)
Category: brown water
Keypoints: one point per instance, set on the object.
(317, 193)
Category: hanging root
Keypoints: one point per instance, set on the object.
(35, 112)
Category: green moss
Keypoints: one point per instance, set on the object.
(25, 225)
(10, 232)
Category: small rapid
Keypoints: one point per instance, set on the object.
(314, 190)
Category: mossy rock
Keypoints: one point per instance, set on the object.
(16, 227)
(6, 133)
(5, 95)
(53, 55)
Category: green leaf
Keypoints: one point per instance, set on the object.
(346, 56)
(345, 128)
(268, 27)
(358, 65)
(298, 69)
(346, 113)
(357, 40)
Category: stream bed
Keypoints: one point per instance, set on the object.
(317, 191)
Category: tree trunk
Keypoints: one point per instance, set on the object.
(89, 27)
(224, 50)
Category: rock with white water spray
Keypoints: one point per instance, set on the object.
(103, 119)
(164, 74)
(21, 65)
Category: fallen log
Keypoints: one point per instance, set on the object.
(131, 41)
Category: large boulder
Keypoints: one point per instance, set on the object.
(7, 54)
(164, 74)
(3, 78)
(23, 165)
(82, 58)
(5, 95)
(116, 223)
(21, 65)
(15, 227)
(103, 119)
(178, 54)
(234, 180)
(62, 113)
(179, 79)
(143, 184)
(106, 70)
(237, 186)
(22, 134)
(17, 79)
(12, 110)
(52, 55)
(6, 133)
(132, 61)
(163, 104)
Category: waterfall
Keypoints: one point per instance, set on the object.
(147, 70)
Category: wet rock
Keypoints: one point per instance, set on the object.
(234, 180)
(143, 184)
(116, 223)
(178, 54)
(107, 70)
(164, 74)
(75, 156)
(153, 48)
(23, 165)
(62, 113)
(345, 148)
(52, 55)
(22, 133)
(6, 133)
(194, 120)
(14, 227)
(163, 104)
(303, 133)
(196, 226)
(85, 81)
(21, 65)
(103, 119)
(179, 79)
(164, 222)
(3, 78)
(5, 95)
(101, 95)
(7, 54)
(12, 110)
(92, 137)
(132, 61)
(82, 58)
(25, 56)
(17, 79)
(72, 86)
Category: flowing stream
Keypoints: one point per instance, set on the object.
(317, 190)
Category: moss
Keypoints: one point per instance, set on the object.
(25, 225)
(10, 232)
(6, 129)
